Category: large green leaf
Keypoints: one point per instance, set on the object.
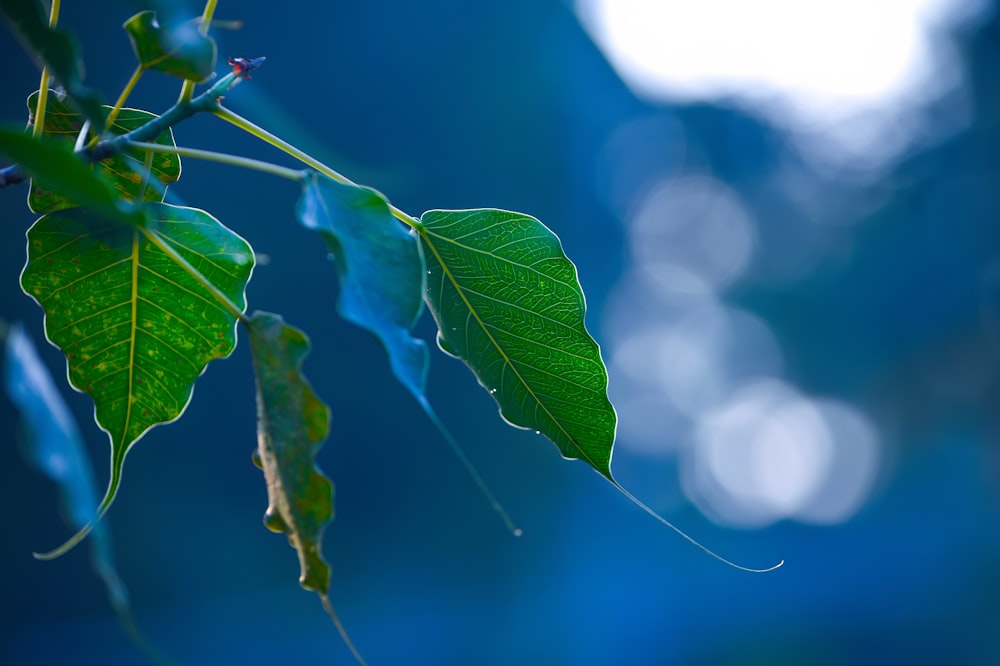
(508, 303)
(136, 327)
(124, 171)
(380, 268)
(52, 164)
(178, 49)
(292, 424)
(56, 49)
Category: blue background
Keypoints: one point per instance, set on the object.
(509, 104)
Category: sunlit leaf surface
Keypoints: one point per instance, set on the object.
(507, 302)
(137, 329)
(124, 171)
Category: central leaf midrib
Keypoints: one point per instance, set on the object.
(583, 454)
(133, 327)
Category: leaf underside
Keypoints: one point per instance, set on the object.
(508, 303)
(380, 269)
(137, 330)
(123, 171)
(292, 424)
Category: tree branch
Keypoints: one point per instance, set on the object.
(207, 101)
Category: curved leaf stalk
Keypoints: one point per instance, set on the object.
(223, 158)
(279, 143)
(470, 469)
(147, 170)
(690, 539)
(328, 607)
(43, 85)
(120, 102)
(43, 101)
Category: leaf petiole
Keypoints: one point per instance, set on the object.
(187, 89)
(116, 109)
(279, 143)
(43, 86)
(223, 158)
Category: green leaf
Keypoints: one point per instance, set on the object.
(179, 49)
(54, 166)
(54, 446)
(292, 424)
(508, 303)
(137, 327)
(124, 170)
(380, 268)
(55, 49)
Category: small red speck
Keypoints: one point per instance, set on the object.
(49, 262)
(138, 380)
(156, 288)
(75, 260)
(145, 412)
(69, 356)
(72, 288)
(219, 334)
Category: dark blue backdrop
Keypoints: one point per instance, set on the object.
(508, 104)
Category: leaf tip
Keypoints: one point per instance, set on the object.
(69, 544)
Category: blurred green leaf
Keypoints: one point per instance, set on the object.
(55, 49)
(380, 268)
(508, 303)
(292, 424)
(53, 166)
(124, 171)
(54, 446)
(178, 49)
(137, 328)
